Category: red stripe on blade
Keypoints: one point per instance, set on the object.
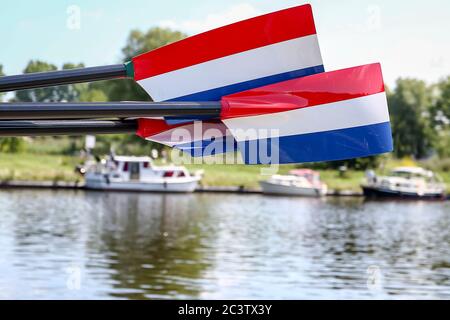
(150, 127)
(304, 92)
(224, 41)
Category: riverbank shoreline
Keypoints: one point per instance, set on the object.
(47, 170)
(79, 185)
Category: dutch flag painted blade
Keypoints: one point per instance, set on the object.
(233, 58)
(324, 117)
(197, 139)
(266, 49)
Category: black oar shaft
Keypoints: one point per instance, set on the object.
(52, 78)
(68, 127)
(95, 110)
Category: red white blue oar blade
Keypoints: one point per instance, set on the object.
(197, 139)
(270, 48)
(324, 117)
(274, 47)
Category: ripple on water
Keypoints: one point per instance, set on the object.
(71, 244)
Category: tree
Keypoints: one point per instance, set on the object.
(410, 106)
(11, 144)
(441, 118)
(139, 42)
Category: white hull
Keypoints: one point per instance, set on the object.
(161, 185)
(289, 190)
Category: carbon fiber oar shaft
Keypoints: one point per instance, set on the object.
(67, 127)
(53, 78)
(91, 110)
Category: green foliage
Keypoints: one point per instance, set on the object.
(442, 144)
(409, 106)
(140, 42)
(12, 145)
(441, 110)
(440, 115)
(92, 95)
(357, 164)
(438, 164)
(124, 144)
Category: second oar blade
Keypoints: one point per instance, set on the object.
(95, 110)
(65, 127)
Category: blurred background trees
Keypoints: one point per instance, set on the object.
(420, 118)
(440, 116)
(409, 106)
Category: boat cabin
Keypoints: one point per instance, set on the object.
(130, 168)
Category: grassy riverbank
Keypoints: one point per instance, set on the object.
(40, 167)
(248, 176)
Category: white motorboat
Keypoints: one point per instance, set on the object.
(139, 174)
(405, 182)
(300, 182)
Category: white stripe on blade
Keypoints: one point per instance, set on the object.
(196, 131)
(253, 64)
(350, 113)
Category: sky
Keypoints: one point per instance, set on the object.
(409, 38)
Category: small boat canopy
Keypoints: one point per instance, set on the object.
(418, 171)
(132, 159)
(303, 172)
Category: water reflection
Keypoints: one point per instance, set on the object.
(155, 244)
(70, 244)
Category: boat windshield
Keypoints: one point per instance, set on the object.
(427, 175)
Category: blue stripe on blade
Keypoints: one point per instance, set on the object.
(205, 148)
(321, 146)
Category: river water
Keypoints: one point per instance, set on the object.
(93, 245)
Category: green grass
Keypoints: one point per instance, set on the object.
(248, 176)
(27, 166)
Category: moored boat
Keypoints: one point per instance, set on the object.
(405, 182)
(129, 173)
(300, 182)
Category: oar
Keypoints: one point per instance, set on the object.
(92, 110)
(270, 48)
(328, 116)
(53, 78)
(62, 127)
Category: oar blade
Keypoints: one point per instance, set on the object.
(270, 48)
(329, 116)
(267, 49)
(197, 139)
